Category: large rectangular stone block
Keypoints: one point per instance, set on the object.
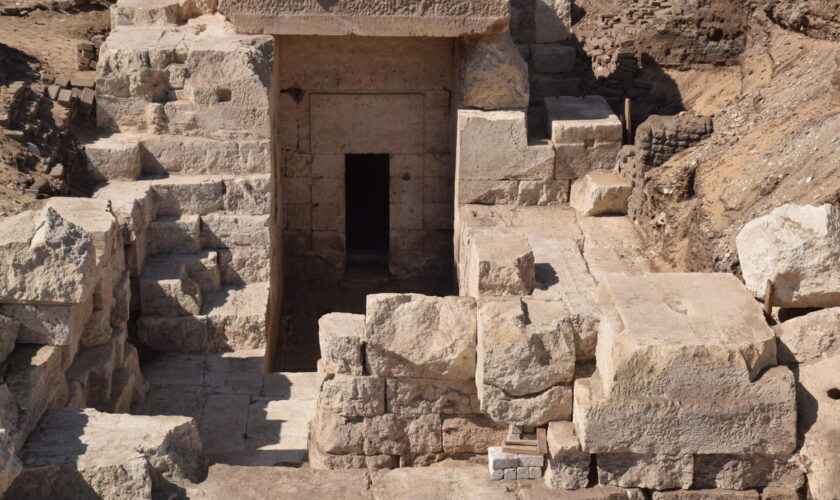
(340, 336)
(500, 263)
(411, 335)
(352, 396)
(414, 396)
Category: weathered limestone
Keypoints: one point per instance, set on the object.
(500, 263)
(817, 398)
(368, 18)
(494, 75)
(553, 20)
(444, 350)
(600, 193)
(810, 337)
(114, 157)
(493, 146)
(798, 249)
(554, 403)
(351, 396)
(471, 434)
(341, 336)
(524, 345)
(748, 471)
(9, 329)
(80, 453)
(706, 495)
(568, 465)
(658, 472)
(668, 339)
(46, 258)
(416, 396)
(585, 132)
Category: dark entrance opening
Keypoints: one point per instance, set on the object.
(366, 213)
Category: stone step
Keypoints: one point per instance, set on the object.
(231, 319)
(127, 155)
(174, 234)
(175, 285)
(83, 453)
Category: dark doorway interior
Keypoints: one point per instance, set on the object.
(367, 209)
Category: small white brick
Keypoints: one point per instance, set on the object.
(522, 473)
(498, 460)
(497, 475)
(534, 472)
(531, 460)
(510, 474)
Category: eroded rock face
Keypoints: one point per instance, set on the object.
(798, 249)
(494, 74)
(45, 259)
(412, 335)
(85, 454)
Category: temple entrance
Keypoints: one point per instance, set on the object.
(367, 217)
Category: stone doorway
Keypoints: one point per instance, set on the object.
(367, 210)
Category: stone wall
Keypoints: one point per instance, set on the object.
(64, 308)
(340, 96)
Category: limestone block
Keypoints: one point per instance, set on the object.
(340, 337)
(542, 193)
(337, 435)
(494, 76)
(757, 418)
(809, 337)
(46, 258)
(658, 472)
(198, 155)
(158, 12)
(798, 249)
(524, 346)
(321, 460)
(471, 434)
(706, 495)
(667, 335)
(819, 417)
(553, 20)
(480, 192)
(248, 195)
(352, 396)
(553, 58)
(221, 230)
(170, 297)
(424, 434)
(49, 324)
(9, 329)
(114, 157)
(552, 404)
(174, 234)
(78, 452)
(500, 263)
(369, 18)
(582, 119)
(352, 123)
(243, 265)
(568, 466)
(385, 435)
(573, 160)
(10, 465)
(93, 368)
(197, 195)
(446, 348)
(779, 494)
(739, 472)
(34, 378)
(236, 318)
(600, 193)
(415, 396)
(176, 334)
(493, 145)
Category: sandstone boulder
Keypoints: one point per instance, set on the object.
(524, 346)
(600, 193)
(809, 337)
(500, 263)
(340, 336)
(798, 249)
(87, 454)
(45, 258)
(411, 335)
(494, 74)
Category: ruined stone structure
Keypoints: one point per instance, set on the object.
(247, 147)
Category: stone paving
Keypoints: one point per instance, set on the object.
(244, 417)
